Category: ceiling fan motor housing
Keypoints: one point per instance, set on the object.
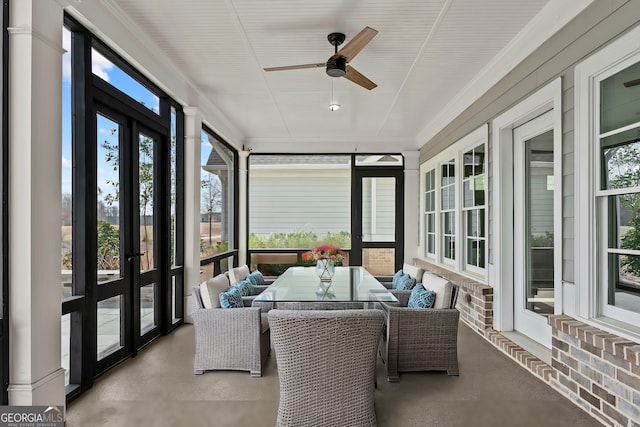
(337, 67)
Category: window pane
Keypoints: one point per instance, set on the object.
(109, 325)
(173, 167)
(620, 166)
(478, 164)
(449, 247)
(431, 243)
(298, 201)
(624, 219)
(468, 161)
(475, 252)
(112, 74)
(108, 203)
(478, 188)
(216, 196)
(148, 315)
(624, 282)
(617, 100)
(378, 209)
(449, 223)
(146, 203)
(66, 261)
(379, 160)
(468, 192)
(379, 261)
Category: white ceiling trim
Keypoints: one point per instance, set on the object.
(555, 15)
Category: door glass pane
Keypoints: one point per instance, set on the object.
(379, 160)
(146, 202)
(66, 346)
(539, 229)
(174, 302)
(108, 204)
(110, 325)
(148, 313)
(378, 209)
(66, 265)
(379, 261)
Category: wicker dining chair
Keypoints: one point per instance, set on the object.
(326, 364)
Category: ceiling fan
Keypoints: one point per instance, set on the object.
(337, 64)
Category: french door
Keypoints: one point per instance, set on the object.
(534, 228)
(129, 218)
(377, 241)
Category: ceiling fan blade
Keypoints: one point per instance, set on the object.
(296, 67)
(356, 44)
(632, 83)
(356, 77)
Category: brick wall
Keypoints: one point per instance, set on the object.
(599, 371)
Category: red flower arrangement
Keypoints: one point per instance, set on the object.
(330, 252)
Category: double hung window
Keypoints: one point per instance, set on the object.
(453, 201)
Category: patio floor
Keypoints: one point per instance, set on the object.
(158, 388)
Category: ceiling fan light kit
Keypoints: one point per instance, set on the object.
(337, 64)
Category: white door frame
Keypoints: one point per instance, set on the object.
(525, 321)
(501, 269)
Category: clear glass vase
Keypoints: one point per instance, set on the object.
(325, 270)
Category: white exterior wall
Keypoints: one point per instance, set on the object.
(284, 201)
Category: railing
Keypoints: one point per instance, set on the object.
(216, 264)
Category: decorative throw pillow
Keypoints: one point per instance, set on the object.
(231, 299)
(256, 278)
(405, 283)
(245, 287)
(396, 277)
(421, 298)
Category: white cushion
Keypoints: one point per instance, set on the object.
(211, 290)
(238, 273)
(442, 288)
(413, 271)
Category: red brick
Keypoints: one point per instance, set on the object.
(592, 399)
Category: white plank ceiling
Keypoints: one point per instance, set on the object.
(426, 52)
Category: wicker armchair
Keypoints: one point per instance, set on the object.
(326, 364)
(232, 338)
(419, 339)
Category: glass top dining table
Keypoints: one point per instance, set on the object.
(349, 284)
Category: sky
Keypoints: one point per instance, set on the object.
(107, 128)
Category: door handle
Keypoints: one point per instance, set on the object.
(131, 257)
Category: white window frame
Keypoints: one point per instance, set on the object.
(590, 245)
(433, 211)
(478, 137)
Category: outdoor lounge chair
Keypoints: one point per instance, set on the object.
(326, 365)
(421, 339)
(229, 338)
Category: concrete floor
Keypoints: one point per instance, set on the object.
(158, 388)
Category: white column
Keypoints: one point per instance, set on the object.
(192, 132)
(242, 207)
(411, 205)
(35, 117)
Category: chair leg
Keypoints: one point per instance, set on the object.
(393, 378)
(453, 372)
(198, 371)
(256, 374)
